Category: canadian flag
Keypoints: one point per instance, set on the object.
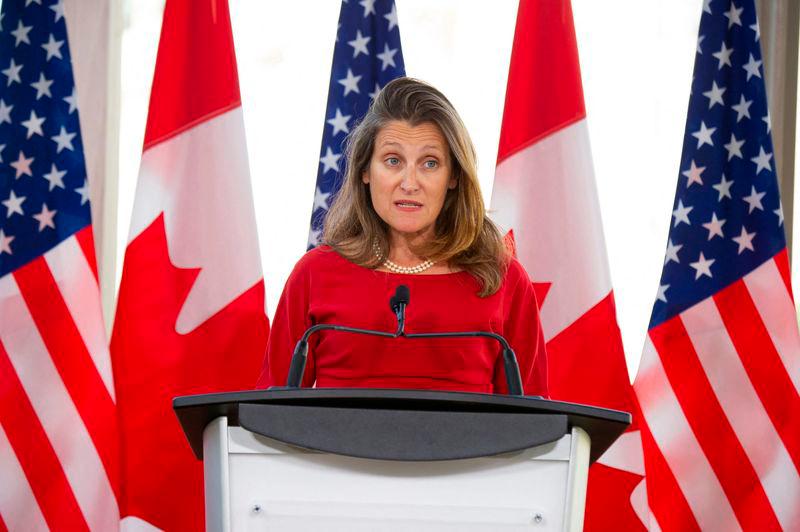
(190, 313)
(545, 197)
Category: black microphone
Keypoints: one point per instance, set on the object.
(398, 304)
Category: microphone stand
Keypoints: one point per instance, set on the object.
(300, 355)
(398, 304)
(513, 378)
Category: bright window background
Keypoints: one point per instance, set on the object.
(636, 58)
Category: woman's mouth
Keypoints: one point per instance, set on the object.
(408, 205)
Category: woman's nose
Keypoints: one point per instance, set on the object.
(409, 182)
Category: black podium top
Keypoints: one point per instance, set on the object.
(392, 424)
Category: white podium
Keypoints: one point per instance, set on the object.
(394, 460)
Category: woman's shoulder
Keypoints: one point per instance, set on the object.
(515, 270)
(314, 262)
(515, 274)
(322, 259)
(320, 256)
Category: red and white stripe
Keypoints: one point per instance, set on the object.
(58, 437)
(717, 394)
(776, 308)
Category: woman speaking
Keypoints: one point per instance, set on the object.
(410, 212)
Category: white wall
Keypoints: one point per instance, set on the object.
(636, 57)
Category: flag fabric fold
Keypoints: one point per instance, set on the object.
(545, 197)
(190, 313)
(58, 433)
(367, 56)
(720, 372)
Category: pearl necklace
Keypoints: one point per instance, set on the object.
(396, 268)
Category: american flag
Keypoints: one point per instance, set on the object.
(366, 57)
(720, 373)
(58, 438)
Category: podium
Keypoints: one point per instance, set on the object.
(394, 460)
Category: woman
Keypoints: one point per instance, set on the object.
(410, 212)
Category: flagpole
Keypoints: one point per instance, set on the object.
(779, 21)
(97, 73)
(108, 247)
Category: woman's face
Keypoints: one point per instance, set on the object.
(408, 176)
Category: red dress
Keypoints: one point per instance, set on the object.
(324, 287)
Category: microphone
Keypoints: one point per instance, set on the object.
(398, 304)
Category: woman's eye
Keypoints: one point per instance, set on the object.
(392, 161)
(431, 164)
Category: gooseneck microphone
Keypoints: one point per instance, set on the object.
(398, 303)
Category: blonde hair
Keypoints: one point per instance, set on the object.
(464, 236)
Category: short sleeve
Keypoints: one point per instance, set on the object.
(523, 330)
(290, 322)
